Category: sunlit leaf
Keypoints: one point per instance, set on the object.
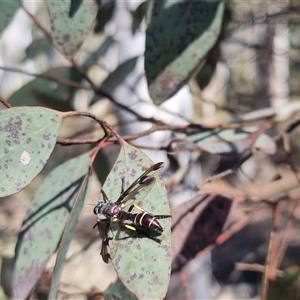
(142, 264)
(45, 221)
(7, 10)
(178, 37)
(69, 33)
(27, 138)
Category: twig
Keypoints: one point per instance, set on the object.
(48, 77)
(265, 282)
(68, 142)
(5, 102)
(284, 243)
(38, 24)
(184, 282)
(255, 267)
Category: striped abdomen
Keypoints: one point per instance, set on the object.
(143, 219)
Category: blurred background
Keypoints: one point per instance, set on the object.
(247, 82)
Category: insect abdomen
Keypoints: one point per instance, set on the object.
(147, 220)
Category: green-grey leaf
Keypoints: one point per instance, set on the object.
(75, 5)
(44, 92)
(179, 35)
(142, 264)
(69, 34)
(115, 78)
(104, 14)
(7, 10)
(38, 46)
(138, 16)
(67, 237)
(118, 291)
(44, 223)
(27, 138)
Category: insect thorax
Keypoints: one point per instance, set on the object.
(106, 209)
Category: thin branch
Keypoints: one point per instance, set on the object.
(38, 24)
(265, 281)
(154, 128)
(5, 102)
(48, 77)
(184, 282)
(286, 236)
(68, 142)
(103, 93)
(255, 267)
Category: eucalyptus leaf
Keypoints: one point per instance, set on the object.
(70, 29)
(7, 11)
(104, 14)
(178, 37)
(118, 290)
(45, 221)
(117, 77)
(142, 264)
(27, 138)
(138, 15)
(68, 234)
(46, 92)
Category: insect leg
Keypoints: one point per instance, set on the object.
(129, 227)
(104, 253)
(105, 198)
(105, 241)
(135, 206)
(123, 185)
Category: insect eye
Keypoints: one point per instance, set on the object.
(95, 210)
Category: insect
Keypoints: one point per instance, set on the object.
(114, 211)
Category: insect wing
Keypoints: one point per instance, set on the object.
(143, 184)
(104, 253)
(103, 228)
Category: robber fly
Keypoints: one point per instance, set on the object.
(113, 211)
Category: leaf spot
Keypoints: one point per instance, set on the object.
(25, 158)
